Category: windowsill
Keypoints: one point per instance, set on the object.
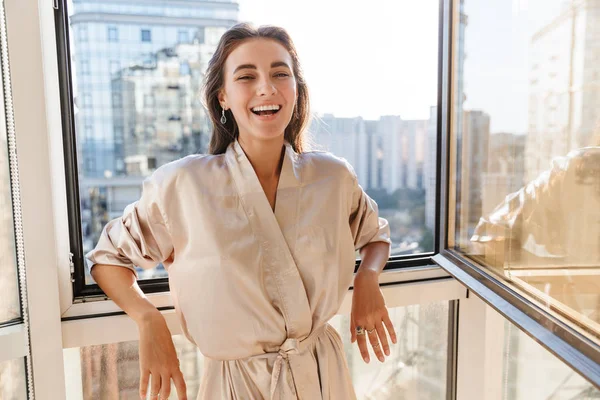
(87, 323)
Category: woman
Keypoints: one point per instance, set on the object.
(259, 241)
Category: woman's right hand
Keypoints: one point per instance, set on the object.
(158, 359)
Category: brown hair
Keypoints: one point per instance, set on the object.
(224, 134)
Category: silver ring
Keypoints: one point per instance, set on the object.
(376, 345)
(371, 331)
(360, 330)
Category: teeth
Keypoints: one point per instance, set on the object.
(266, 108)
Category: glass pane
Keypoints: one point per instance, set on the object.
(137, 102)
(527, 128)
(526, 361)
(9, 284)
(416, 367)
(13, 385)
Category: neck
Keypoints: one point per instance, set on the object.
(264, 155)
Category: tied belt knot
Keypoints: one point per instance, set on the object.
(290, 350)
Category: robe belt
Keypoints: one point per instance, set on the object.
(293, 350)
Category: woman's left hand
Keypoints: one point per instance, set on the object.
(370, 313)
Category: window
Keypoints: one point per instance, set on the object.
(114, 66)
(391, 142)
(85, 67)
(146, 35)
(13, 379)
(86, 100)
(527, 194)
(117, 100)
(525, 361)
(183, 37)
(83, 32)
(113, 34)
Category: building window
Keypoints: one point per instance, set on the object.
(146, 35)
(83, 33)
(89, 131)
(113, 34)
(183, 37)
(117, 100)
(85, 67)
(115, 66)
(86, 100)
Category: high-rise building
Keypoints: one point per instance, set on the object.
(400, 148)
(430, 169)
(108, 37)
(505, 169)
(344, 137)
(474, 160)
(158, 115)
(564, 102)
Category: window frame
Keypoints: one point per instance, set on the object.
(553, 333)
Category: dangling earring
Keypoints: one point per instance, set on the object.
(223, 117)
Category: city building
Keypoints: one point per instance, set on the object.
(474, 160)
(110, 36)
(564, 100)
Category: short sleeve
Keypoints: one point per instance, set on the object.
(365, 224)
(140, 237)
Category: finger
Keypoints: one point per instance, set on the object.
(374, 340)
(154, 386)
(352, 330)
(180, 386)
(383, 338)
(390, 328)
(362, 346)
(144, 378)
(165, 390)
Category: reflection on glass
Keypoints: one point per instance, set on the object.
(531, 372)
(416, 367)
(528, 147)
(12, 380)
(9, 284)
(136, 89)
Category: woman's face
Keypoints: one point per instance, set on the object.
(259, 88)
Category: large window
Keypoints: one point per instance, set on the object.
(373, 93)
(526, 123)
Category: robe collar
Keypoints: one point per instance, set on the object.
(288, 178)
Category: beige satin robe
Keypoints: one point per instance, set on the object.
(253, 288)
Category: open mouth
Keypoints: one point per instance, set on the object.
(266, 110)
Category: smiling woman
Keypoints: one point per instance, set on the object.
(257, 307)
(262, 71)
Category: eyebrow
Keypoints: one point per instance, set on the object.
(252, 66)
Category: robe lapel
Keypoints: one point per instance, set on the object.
(281, 276)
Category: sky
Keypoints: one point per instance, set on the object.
(361, 58)
(379, 57)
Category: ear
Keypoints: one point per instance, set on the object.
(222, 98)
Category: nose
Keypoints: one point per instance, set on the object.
(266, 87)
